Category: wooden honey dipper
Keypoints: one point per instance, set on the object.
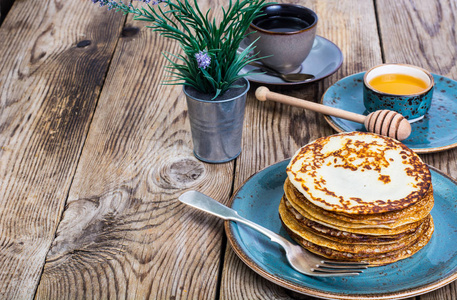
(385, 122)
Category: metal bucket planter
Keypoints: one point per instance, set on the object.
(217, 125)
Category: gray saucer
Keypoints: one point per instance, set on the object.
(324, 59)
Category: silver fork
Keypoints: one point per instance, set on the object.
(299, 258)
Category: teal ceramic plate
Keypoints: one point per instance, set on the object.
(432, 267)
(437, 131)
(324, 59)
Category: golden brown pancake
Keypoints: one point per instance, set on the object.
(359, 247)
(359, 173)
(358, 197)
(374, 260)
(375, 254)
(394, 221)
(346, 236)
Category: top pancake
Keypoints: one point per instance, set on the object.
(359, 173)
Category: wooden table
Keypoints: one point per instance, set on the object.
(95, 150)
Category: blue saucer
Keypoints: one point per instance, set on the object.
(431, 268)
(437, 131)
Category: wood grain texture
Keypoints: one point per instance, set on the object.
(428, 39)
(94, 150)
(275, 131)
(49, 88)
(123, 233)
(448, 292)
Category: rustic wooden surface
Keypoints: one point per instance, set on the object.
(94, 151)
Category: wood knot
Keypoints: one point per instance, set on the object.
(83, 43)
(130, 31)
(89, 222)
(180, 173)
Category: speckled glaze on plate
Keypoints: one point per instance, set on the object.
(437, 131)
(432, 267)
(324, 59)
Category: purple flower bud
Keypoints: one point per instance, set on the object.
(203, 59)
(102, 2)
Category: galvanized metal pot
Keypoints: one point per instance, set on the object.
(217, 125)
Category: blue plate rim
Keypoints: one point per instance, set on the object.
(406, 293)
(338, 128)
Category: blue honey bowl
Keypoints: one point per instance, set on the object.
(413, 106)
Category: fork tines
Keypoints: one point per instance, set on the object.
(343, 264)
(337, 268)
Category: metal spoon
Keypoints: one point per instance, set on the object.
(291, 77)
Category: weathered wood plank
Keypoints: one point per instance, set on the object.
(428, 39)
(448, 292)
(49, 89)
(123, 233)
(274, 132)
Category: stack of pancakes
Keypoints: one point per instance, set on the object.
(358, 197)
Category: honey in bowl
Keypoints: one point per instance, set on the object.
(398, 84)
(406, 89)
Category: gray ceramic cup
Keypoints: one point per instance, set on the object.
(286, 34)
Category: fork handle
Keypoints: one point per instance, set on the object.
(209, 205)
